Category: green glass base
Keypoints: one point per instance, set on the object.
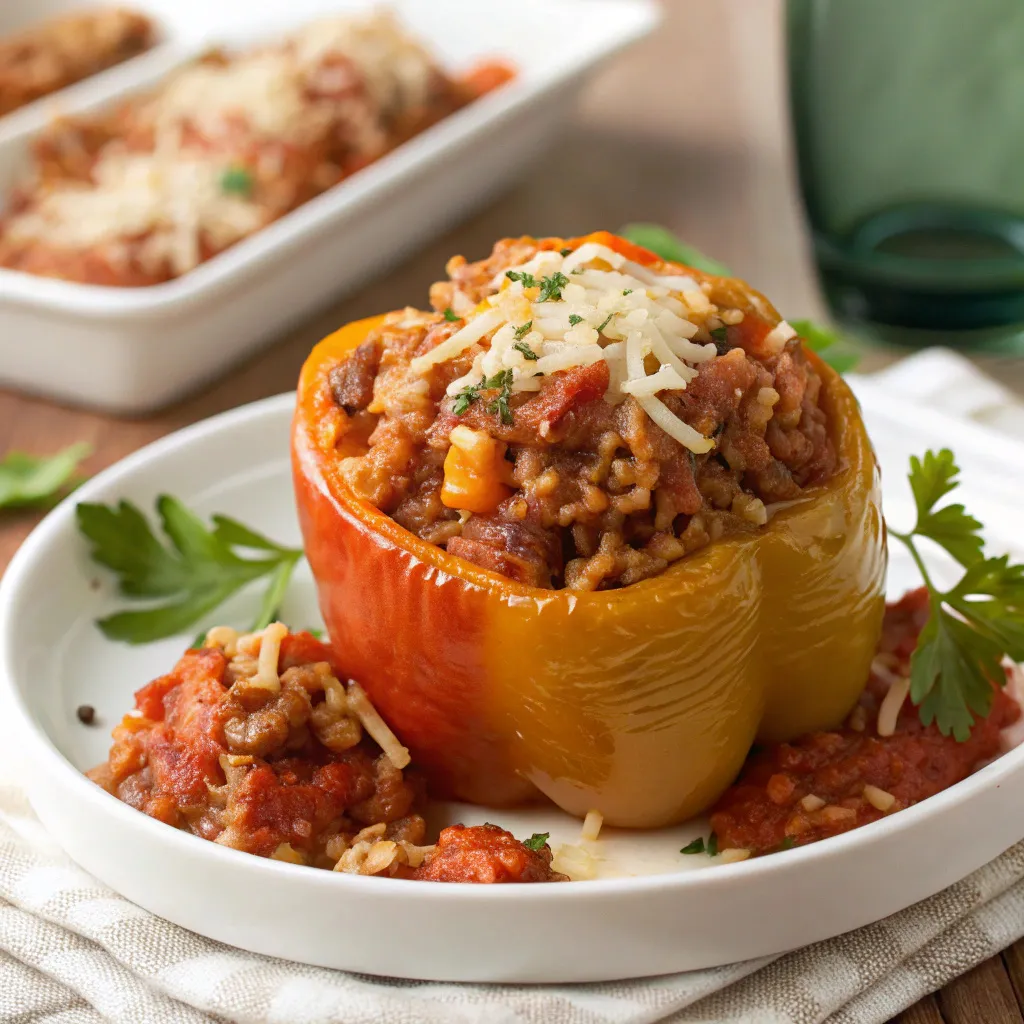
(929, 273)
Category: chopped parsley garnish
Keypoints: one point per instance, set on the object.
(499, 405)
(627, 291)
(471, 392)
(551, 287)
(316, 632)
(720, 333)
(575, 319)
(697, 846)
(192, 572)
(712, 845)
(608, 320)
(974, 624)
(537, 841)
(528, 280)
(528, 353)
(524, 330)
(35, 481)
(788, 842)
(236, 181)
(566, 252)
(451, 316)
(465, 398)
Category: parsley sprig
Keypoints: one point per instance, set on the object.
(501, 382)
(36, 481)
(189, 575)
(974, 624)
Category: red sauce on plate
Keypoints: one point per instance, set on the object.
(485, 854)
(799, 792)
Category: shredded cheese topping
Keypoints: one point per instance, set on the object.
(348, 76)
(556, 312)
(376, 726)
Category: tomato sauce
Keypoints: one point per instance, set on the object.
(485, 854)
(830, 782)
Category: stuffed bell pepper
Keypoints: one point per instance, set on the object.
(590, 528)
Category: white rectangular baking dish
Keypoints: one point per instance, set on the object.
(134, 350)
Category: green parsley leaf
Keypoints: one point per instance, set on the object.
(828, 343)
(627, 291)
(607, 321)
(788, 842)
(575, 319)
(28, 481)
(528, 353)
(973, 625)
(663, 243)
(316, 632)
(565, 252)
(451, 316)
(236, 181)
(712, 845)
(551, 287)
(697, 846)
(537, 841)
(524, 330)
(194, 571)
(815, 336)
(720, 333)
(931, 479)
(199, 640)
(528, 280)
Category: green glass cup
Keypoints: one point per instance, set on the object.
(907, 120)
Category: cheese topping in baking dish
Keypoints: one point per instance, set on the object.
(229, 143)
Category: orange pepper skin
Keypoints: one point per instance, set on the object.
(640, 702)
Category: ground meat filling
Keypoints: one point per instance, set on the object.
(562, 487)
(278, 766)
(269, 755)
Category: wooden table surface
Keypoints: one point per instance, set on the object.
(687, 130)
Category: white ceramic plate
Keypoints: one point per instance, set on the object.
(677, 913)
(131, 350)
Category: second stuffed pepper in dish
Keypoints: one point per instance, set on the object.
(590, 528)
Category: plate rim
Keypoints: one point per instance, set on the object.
(29, 730)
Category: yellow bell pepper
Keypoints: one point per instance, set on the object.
(640, 702)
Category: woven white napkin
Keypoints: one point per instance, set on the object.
(74, 952)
